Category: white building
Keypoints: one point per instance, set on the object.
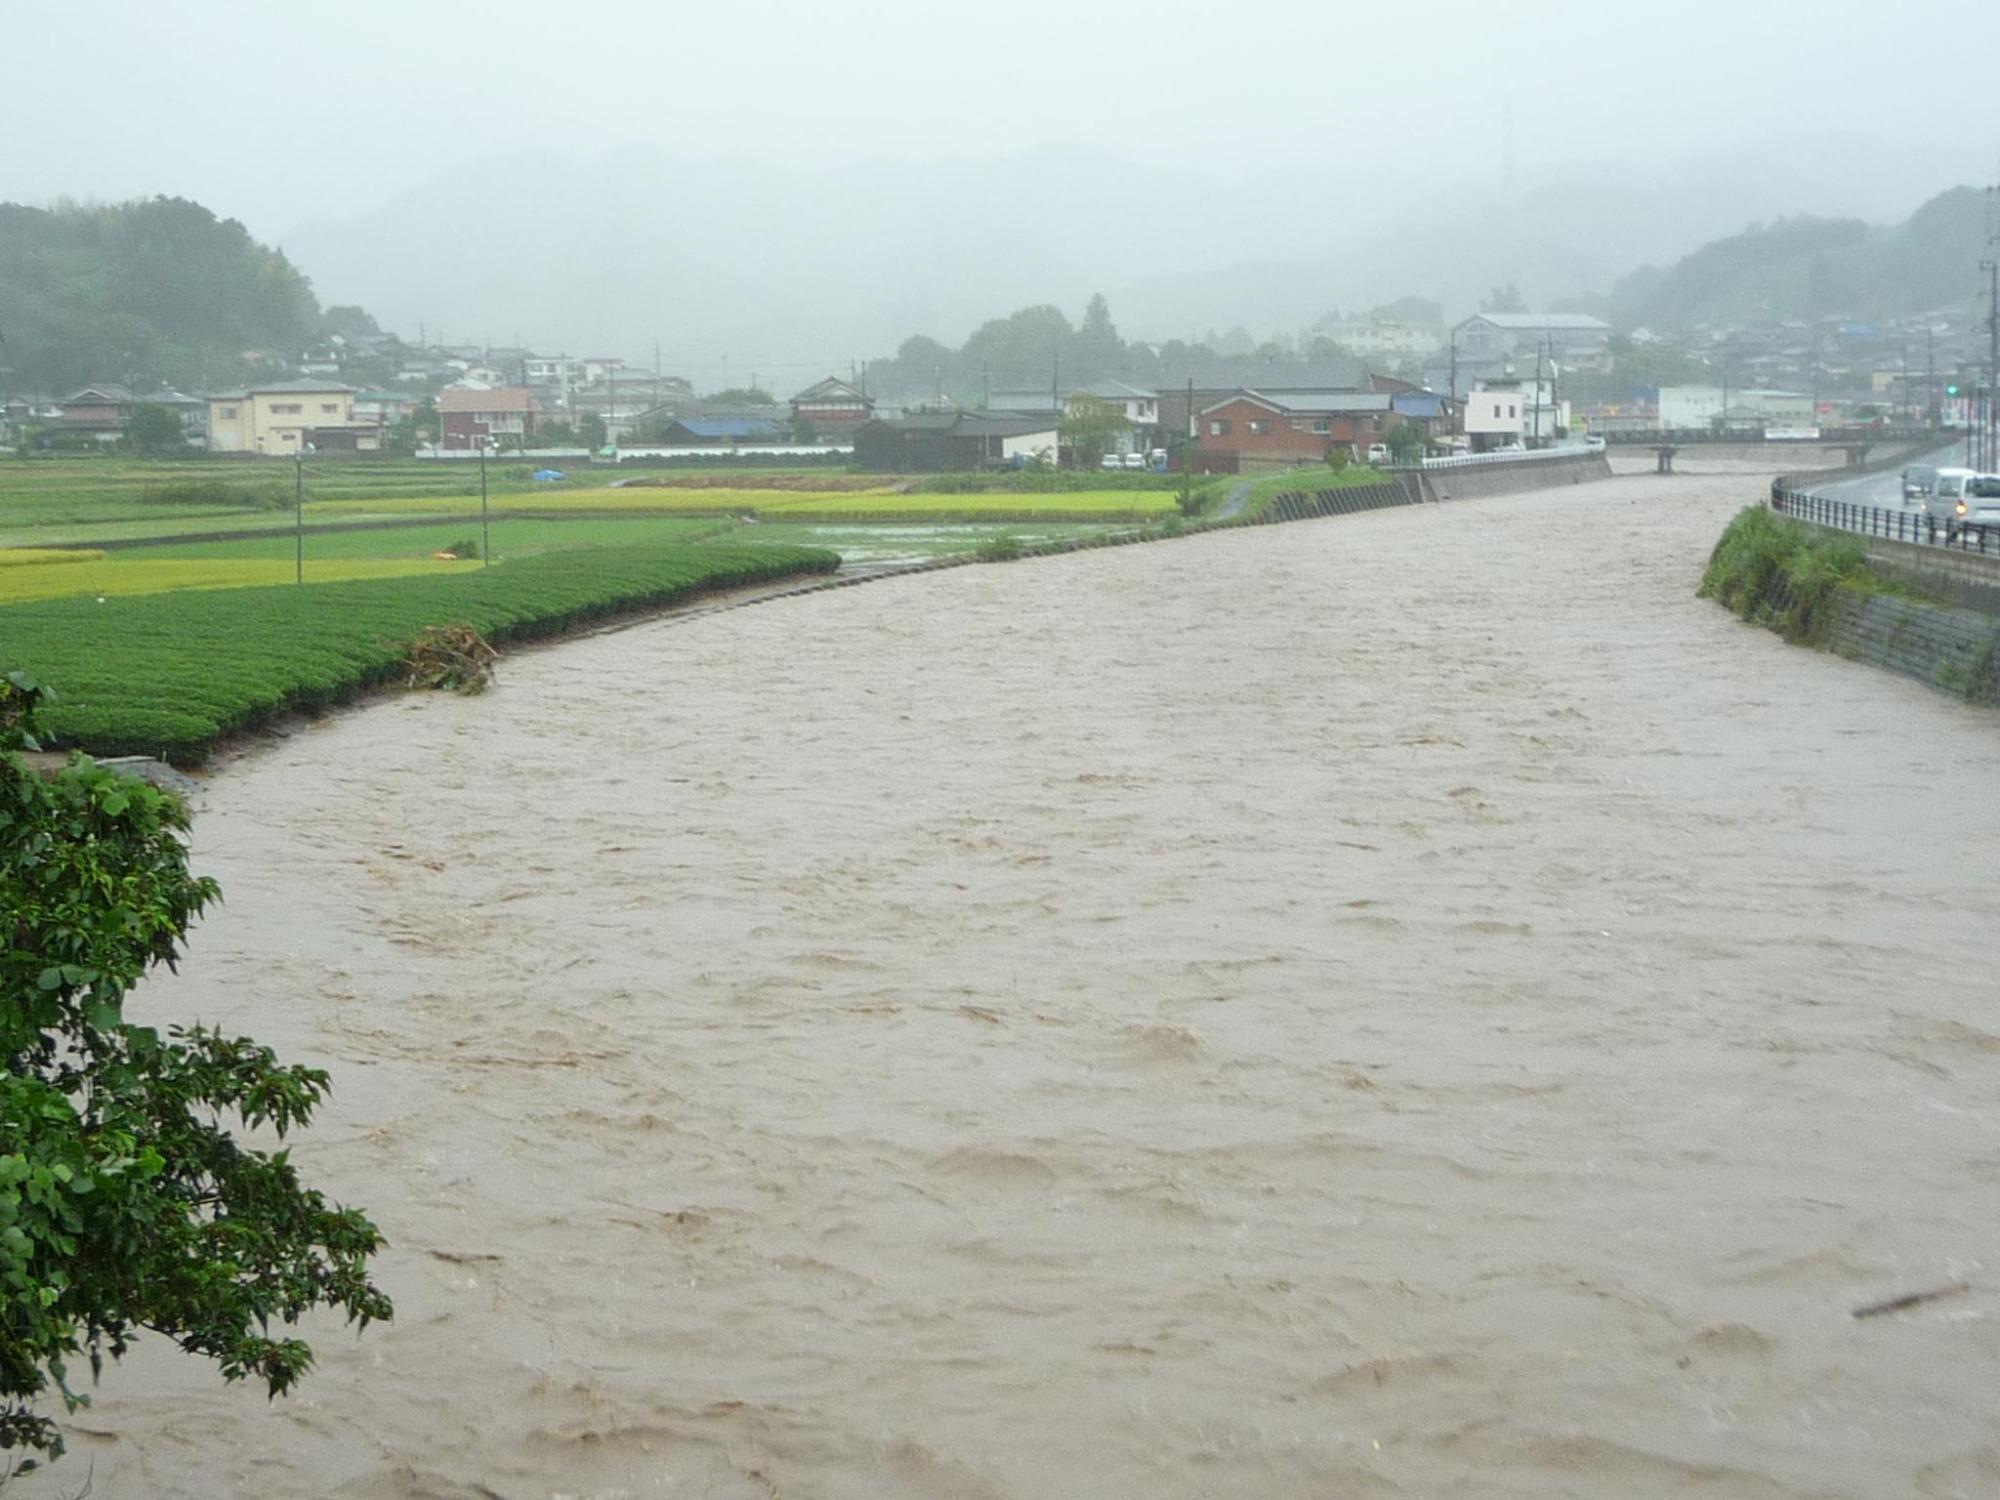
(1394, 340)
(1694, 408)
(1501, 413)
(1495, 416)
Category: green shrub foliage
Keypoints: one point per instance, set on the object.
(126, 1204)
(1779, 573)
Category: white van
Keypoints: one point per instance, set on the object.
(1965, 500)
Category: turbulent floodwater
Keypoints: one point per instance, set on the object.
(1413, 1004)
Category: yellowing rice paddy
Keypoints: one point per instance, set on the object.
(95, 573)
(882, 504)
(36, 557)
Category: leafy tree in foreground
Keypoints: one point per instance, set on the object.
(125, 1203)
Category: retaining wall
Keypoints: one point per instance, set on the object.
(1954, 650)
(1475, 481)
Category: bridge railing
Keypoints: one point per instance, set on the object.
(1901, 525)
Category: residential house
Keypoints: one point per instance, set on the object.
(622, 397)
(287, 417)
(497, 416)
(1251, 427)
(1496, 416)
(1576, 341)
(383, 408)
(730, 432)
(934, 441)
(833, 407)
(1140, 408)
(1435, 412)
(96, 414)
(1179, 400)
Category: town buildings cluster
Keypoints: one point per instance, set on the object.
(1494, 381)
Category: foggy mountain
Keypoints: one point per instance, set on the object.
(733, 265)
(1812, 268)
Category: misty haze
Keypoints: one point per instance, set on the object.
(1044, 752)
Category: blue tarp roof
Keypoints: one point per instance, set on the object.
(1423, 405)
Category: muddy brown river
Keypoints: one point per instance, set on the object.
(1414, 1004)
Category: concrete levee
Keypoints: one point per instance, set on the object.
(1504, 477)
(1954, 650)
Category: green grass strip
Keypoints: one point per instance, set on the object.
(1779, 573)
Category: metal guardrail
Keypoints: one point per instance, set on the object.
(1914, 526)
(1833, 437)
(1567, 451)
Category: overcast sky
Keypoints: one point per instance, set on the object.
(279, 113)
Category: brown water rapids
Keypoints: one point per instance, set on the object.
(1414, 1004)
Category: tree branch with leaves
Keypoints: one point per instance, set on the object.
(126, 1202)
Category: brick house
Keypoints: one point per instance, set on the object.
(1298, 427)
(504, 414)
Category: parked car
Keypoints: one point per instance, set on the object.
(1135, 460)
(1111, 461)
(1378, 453)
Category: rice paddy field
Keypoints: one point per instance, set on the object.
(162, 603)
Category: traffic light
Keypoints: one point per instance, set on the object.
(1951, 390)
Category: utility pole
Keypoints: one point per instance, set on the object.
(985, 387)
(1055, 402)
(1536, 441)
(485, 526)
(1193, 438)
(1989, 410)
(299, 511)
(1930, 376)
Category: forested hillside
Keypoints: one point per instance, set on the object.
(1817, 268)
(141, 292)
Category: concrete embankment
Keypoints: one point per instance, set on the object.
(1954, 650)
(1920, 612)
(1479, 481)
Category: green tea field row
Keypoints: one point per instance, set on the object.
(170, 674)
